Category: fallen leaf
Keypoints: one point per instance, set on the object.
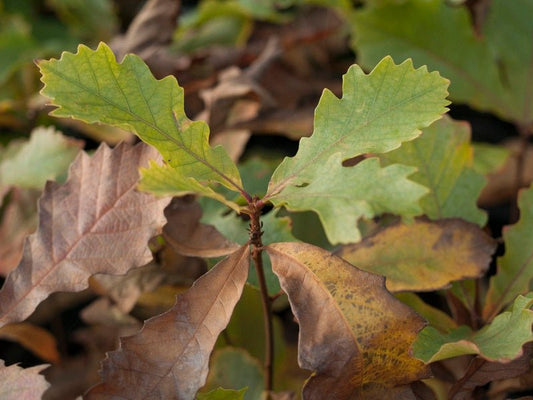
(354, 334)
(480, 372)
(501, 185)
(34, 338)
(149, 35)
(21, 383)
(95, 222)
(425, 255)
(188, 236)
(18, 220)
(168, 358)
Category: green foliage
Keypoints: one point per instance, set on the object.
(486, 72)
(235, 265)
(444, 159)
(515, 267)
(501, 340)
(388, 107)
(126, 95)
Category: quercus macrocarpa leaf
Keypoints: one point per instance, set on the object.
(425, 255)
(168, 359)
(95, 222)
(91, 86)
(354, 334)
(515, 267)
(377, 113)
(501, 340)
(443, 156)
(22, 383)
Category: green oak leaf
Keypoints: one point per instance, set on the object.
(489, 158)
(376, 114)
(91, 86)
(486, 71)
(222, 394)
(500, 341)
(234, 368)
(515, 267)
(444, 158)
(46, 155)
(343, 195)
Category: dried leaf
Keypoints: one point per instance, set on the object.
(149, 35)
(168, 358)
(424, 255)
(480, 372)
(34, 338)
(19, 219)
(188, 236)
(353, 334)
(95, 222)
(21, 383)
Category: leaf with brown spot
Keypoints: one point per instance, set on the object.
(21, 383)
(188, 236)
(95, 222)
(168, 359)
(354, 334)
(424, 255)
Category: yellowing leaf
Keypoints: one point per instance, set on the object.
(501, 340)
(424, 255)
(515, 267)
(376, 114)
(168, 358)
(444, 158)
(95, 222)
(91, 86)
(354, 334)
(21, 383)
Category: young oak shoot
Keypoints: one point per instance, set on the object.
(377, 113)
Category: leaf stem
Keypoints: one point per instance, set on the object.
(257, 248)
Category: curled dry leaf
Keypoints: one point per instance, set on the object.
(354, 334)
(18, 383)
(424, 255)
(168, 359)
(149, 35)
(34, 338)
(188, 236)
(95, 222)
